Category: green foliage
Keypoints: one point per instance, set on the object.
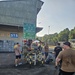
(64, 35)
(72, 34)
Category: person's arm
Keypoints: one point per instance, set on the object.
(59, 57)
(44, 48)
(19, 51)
(54, 52)
(48, 48)
(57, 61)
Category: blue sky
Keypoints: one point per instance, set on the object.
(58, 14)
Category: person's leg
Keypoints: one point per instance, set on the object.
(70, 73)
(19, 60)
(65, 73)
(16, 61)
(46, 54)
(59, 72)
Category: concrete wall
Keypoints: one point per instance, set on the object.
(7, 59)
(5, 35)
(6, 41)
(19, 12)
(16, 13)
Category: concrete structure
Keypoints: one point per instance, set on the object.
(13, 15)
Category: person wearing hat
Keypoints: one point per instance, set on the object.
(68, 60)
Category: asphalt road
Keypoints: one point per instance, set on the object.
(28, 70)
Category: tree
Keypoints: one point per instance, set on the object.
(64, 35)
(72, 34)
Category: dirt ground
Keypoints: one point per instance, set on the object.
(26, 69)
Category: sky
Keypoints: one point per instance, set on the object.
(55, 16)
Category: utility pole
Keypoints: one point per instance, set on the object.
(48, 29)
(48, 34)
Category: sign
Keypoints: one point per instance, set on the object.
(13, 35)
(29, 31)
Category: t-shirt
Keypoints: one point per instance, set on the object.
(68, 60)
(17, 50)
(16, 46)
(46, 48)
(57, 50)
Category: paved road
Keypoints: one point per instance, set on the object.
(27, 70)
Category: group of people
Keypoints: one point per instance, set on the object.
(26, 48)
(65, 56)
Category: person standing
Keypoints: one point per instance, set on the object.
(40, 47)
(57, 49)
(17, 54)
(68, 60)
(46, 49)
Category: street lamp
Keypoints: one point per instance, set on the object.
(48, 29)
(48, 34)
